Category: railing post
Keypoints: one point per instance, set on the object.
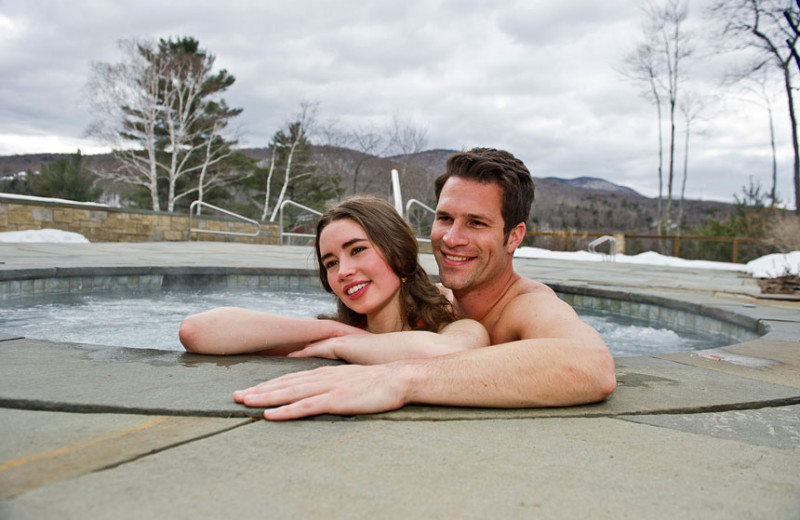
(735, 249)
(197, 231)
(676, 247)
(283, 234)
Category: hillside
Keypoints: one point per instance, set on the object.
(585, 204)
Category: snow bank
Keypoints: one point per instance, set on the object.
(773, 266)
(43, 235)
(646, 258)
(770, 266)
(33, 198)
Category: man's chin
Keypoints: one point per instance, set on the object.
(453, 281)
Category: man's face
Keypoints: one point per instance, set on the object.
(467, 234)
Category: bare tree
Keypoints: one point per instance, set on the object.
(154, 108)
(289, 142)
(691, 106)
(768, 28)
(368, 142)
(658, 63)
(758, 85)
(406, 139)
(115, 93)
(642, 66)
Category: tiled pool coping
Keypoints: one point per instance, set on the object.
(653, 310)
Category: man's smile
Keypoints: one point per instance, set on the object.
(456, 259)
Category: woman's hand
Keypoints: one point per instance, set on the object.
(326, 348)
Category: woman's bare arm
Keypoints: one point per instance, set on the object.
(234, 330)
(393, 346)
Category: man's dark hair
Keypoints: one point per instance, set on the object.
(491, 166)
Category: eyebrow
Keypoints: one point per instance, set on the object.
(468, 215)
(345, 246)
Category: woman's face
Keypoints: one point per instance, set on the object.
(357, 271)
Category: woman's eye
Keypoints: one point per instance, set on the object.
(330, 264)
(357, 250)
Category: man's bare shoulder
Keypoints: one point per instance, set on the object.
(524, 286)
(527, 310)
(529, 295)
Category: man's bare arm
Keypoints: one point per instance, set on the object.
(573, 367)
(384, 348)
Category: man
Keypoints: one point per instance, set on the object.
(542, 354)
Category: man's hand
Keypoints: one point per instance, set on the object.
(341, 390)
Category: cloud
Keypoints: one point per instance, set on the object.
(538, 78)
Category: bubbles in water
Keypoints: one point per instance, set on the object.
(144, 321)
(152, 320)
(630, 337)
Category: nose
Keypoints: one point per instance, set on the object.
(455, 236)
(346, 269)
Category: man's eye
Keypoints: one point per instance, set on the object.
(443, 218)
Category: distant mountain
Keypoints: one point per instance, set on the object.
(593, 183)
(586, 204)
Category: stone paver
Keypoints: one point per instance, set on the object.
(776, 427)
(91, 378)
(543, 468)
(40, 448)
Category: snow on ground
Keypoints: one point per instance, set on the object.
(770, 266)
(49, 199)
(43, 235)
(646, 258)
(773, 266)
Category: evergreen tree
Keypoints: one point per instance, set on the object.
(159, 111)
(752, 218)
(65, 178)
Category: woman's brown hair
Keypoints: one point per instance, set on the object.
(422, 304)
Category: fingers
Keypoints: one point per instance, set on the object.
(320, 349)
(342, 390)
(296, 395)
(284, 389)
(305, 408)
(310, 352)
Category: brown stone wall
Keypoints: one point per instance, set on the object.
(103, 224)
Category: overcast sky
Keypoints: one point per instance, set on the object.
(536, 77)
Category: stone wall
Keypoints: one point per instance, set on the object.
(100, 223)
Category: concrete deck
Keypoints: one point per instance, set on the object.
(102, 432)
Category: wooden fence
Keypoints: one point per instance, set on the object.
(621, 239)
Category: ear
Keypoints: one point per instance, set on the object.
(515, 237)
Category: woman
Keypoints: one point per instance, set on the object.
(368, 257)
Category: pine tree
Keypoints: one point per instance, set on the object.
(66, 178)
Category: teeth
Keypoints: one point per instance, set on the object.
(356, 288)
(456, 258)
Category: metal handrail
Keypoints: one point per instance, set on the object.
(423, 206)
(199, 203)
(612, 247)
(280, 222)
